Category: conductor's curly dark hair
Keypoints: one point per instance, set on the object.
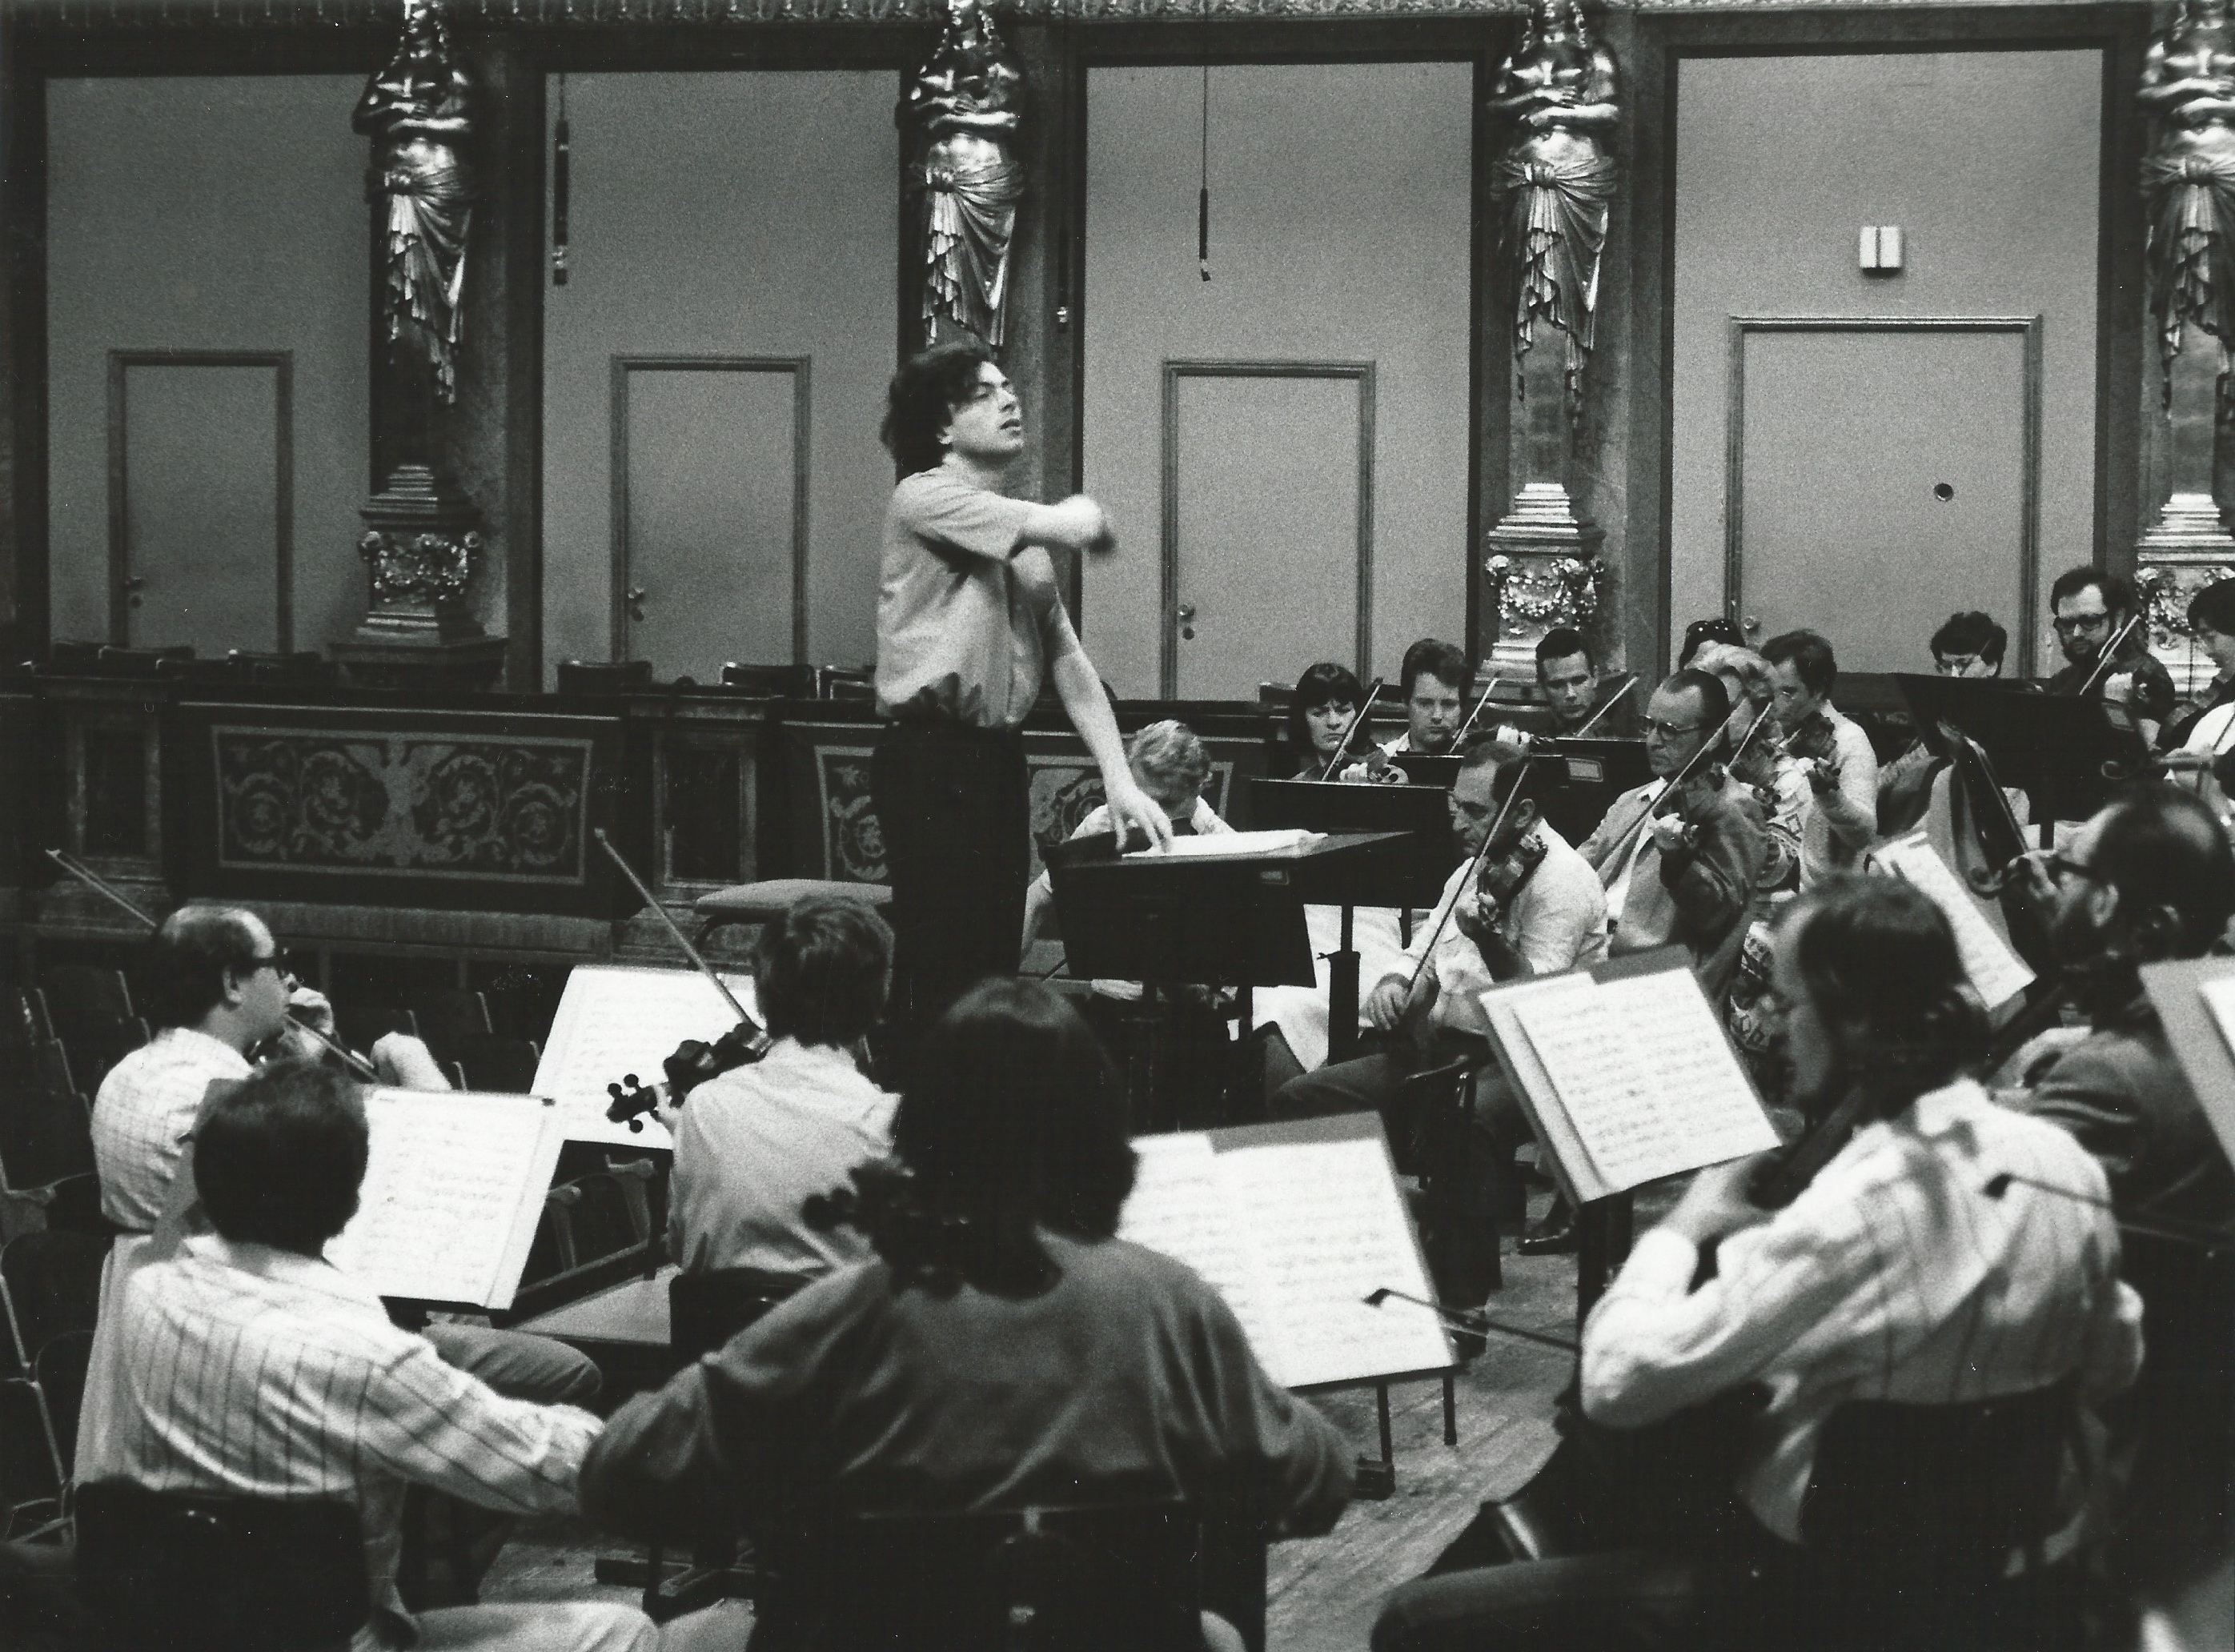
(922, 398)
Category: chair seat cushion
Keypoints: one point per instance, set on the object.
(773, 897)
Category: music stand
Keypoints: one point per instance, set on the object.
(1593, 772)
(1421, 770)
(1211, 920)
(2064, 752)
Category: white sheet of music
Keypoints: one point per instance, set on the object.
(1331, 1228)
(620, 1018)
(454, 1186)
(1646, 1077)
(1227, 846)
(1567, 1148)
(1997, 973)
(1180, 1206)
(2219, 998)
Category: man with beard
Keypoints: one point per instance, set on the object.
(2091, 608)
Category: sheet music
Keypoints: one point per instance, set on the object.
(453, 1188)
(1997, 973)
(1531, 1080)
(1331, 1227)
(2219, 998)
(1223, 846)
(1180, 1207)
(1645, 1076)
(619, 1019)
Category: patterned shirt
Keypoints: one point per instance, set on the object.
(147, 1104)
(1557, 922)
(969, 621)
(1894, 1276)
(1821, 852)
(253, 1371)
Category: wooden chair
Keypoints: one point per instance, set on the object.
(447, 1016)
(1442, 1156)
(170, 1572)
(49, 1285)
(45, 1135)
(1123, 1578)
(59, 1370)
(489, 1061)
(32, 1469)
(73, 1205)
(87, 1004)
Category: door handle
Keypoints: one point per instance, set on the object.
(135, 583)
(637, 593)
(1753, 624)
(1186, 611)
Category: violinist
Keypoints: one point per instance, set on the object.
(1840, 817)
(1327, 697)
(1894, 1275)
(1435, 678)
(2207, 728)
(1534, 907)
(1969, 644)
(1681, 864)
(754, 1143)
(2091, 610)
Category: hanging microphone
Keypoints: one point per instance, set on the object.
(1202, 230)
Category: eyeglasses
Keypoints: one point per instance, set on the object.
(2080, 622)
(1954, 664)
(281, 964)
(1669, 731)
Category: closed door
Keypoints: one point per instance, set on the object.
(1882, 481)
(709, 513)
(1269, 521)
(199, 508)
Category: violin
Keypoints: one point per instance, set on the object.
(1510, 859)
(695, 1060)
(1358, 719)
(1814, 745)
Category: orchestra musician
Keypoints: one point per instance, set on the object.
(1327, 697)
(2204, 727)
(1567, 678)
(1534, 907)
(1840, 817)
(2091, 609)
(970, 625)
(1687, 873)
(754, 1142)
(1967, 645)
(1905, 1270)
(246, 1365)
(1434, 676)
(1003, 1349)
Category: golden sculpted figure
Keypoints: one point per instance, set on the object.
(2188, 179)
(962, 111)
(418, 112)
(1555, 178)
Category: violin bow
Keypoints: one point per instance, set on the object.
(1458, 740)
(1474, 871)
(674, 931)
(1359, 717)
(1613, 700)
(1610, 867)
(2108, 656)
(101, 886)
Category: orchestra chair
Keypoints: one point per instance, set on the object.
(50, 1287)
(73, 1205)
(91, 1011)
(59, 1369)
(1119, 1578)
(138, 662)
(492, 1063)
(770, 682)
(45, 1135)
(72, 657)
(32, 1471)
(173, 1572)
(577, 678)
(769, 899)
(705, 1311)
(448, 1016)
(1442, 1100)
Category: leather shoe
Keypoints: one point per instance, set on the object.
(1555, 1237)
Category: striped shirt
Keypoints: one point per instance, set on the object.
(147, 1104)
(1894, 1276)
(252, 1372)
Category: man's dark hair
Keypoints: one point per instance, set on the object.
(182, 973)
(1810, 654)
(278, 1161)
(1700, 633)
(2118, 595)
(1443, 661)
(1487, 750)
(1715, 699)
(2169, 860)
(2214, 605)
(1971, 633)
(1325, 683)
(922, 398)
(1880, 964)
(1561, 642)
(1012, 1117)
(820, 971)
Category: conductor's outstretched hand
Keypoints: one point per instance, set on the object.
(1132, 809)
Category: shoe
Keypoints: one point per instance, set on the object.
(1554, 1236)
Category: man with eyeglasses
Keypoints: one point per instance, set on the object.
(217, 988)
(1687, 875)
(1536, 909)
(2148, 878)
(2091, 608)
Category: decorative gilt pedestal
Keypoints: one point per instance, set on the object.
(2188, 547)
(421, 537)
(1542, 571)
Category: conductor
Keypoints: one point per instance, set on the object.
(970, 625)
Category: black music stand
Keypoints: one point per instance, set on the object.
(1212, 921)
(1421, 770)
(2067, 754)
(1591, 773)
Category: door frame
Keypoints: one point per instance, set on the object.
(282, 363)
(1359, 372)
(2028, 329)
(799, 368)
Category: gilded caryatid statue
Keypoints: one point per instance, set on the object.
(418, 111)
(960, 113)
(2188, 179)
(1555, 179)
